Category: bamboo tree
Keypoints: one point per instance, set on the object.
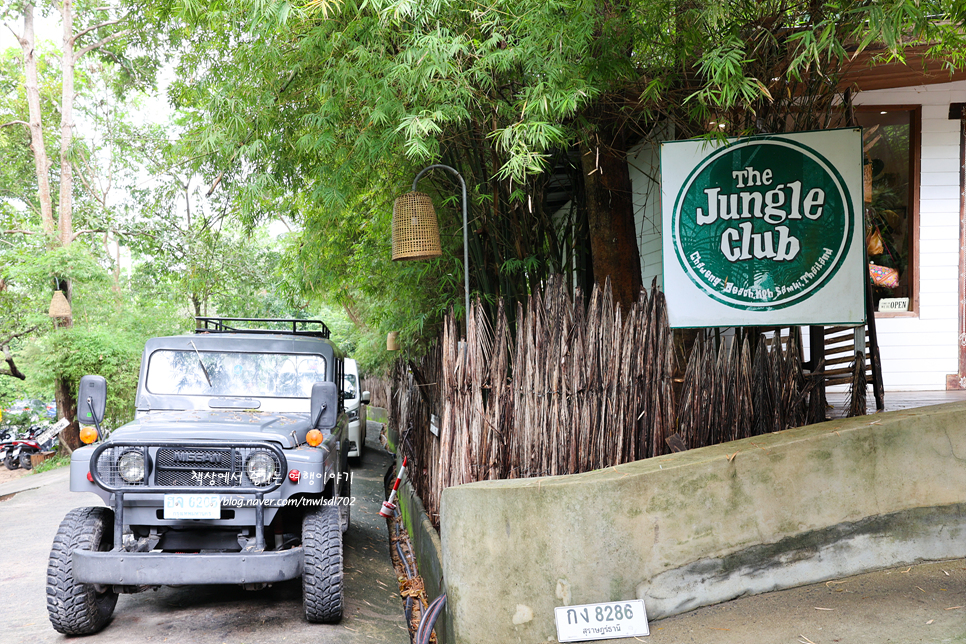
(334, 105)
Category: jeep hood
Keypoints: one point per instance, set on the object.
(238, 426)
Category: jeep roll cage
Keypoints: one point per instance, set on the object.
(219, 325)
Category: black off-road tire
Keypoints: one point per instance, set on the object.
(322, 594)
(25, 462)
(11, 463)
(75, 608)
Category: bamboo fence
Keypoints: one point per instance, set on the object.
(379, 390)
(582, 387)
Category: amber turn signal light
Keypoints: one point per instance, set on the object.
(314, 438)
(88, 434)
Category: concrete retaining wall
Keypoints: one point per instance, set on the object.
(707, 525)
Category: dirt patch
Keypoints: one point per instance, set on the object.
(11, 475)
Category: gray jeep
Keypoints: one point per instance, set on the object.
(233, 472)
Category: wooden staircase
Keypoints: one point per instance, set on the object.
(838, 346)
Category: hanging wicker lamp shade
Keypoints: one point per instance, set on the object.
(59, 306)
(415, 232)
(392, 341)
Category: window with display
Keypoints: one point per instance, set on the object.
(891, 166)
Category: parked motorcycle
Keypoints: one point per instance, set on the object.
(24, 450)
(6, 455)
(16, 453)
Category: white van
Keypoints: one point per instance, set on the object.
(355, 408)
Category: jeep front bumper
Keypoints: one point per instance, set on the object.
(172, 569)
(215, 457)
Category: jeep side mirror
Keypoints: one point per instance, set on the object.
(91, 399)
(366, 397)
(325, 405)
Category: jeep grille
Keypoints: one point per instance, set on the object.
(198, 467)
(187, 466)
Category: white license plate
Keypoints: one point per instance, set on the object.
(192, 506)
(601, 621)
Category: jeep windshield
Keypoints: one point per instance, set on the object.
(234, 374)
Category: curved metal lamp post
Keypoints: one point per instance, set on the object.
(424, 208)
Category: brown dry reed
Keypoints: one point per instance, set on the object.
(578, 387)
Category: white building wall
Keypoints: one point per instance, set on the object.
(644, 162)
(917, 352)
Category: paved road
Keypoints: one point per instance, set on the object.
(201, 614)
(919, 604)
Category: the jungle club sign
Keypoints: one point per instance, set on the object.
(764, 231)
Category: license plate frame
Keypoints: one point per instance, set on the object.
(192, 506)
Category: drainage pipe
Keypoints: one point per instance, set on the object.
(428, 620)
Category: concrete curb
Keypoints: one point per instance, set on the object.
(34, 481)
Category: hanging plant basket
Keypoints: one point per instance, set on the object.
(59, 306)
(415, 232)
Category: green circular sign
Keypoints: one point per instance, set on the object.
(762, 224)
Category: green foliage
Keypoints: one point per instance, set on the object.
(343, 331)
(57, 462)
(10, 390)
(103, 342)
(774, 66)
(75, 263)
(406, 297)
(213, 267)
(78, 351)
(323, 112)
(20, 310)
(20, 423)
(18, 180)
(117, 60)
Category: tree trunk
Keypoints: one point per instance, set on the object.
(196, 303)
(610, 213)
(32, 86)
(65, 222)
(63, 388)
(67, 408)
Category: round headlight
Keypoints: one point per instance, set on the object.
(131, 466)
(260, 468)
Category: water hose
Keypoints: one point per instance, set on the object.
(409, 573)
(409, 617)
(428, 620)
